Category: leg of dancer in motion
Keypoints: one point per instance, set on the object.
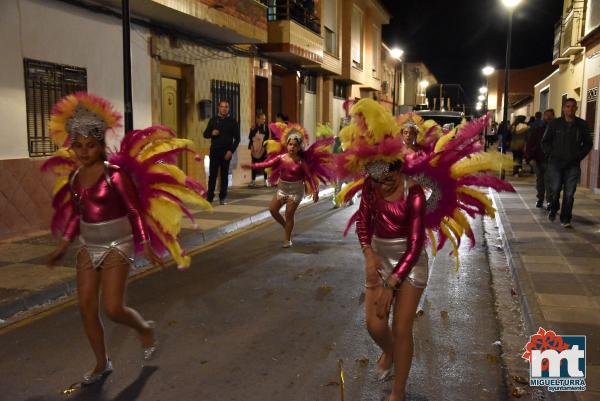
(115, 270)
(88, 294)
(290, 210)
(274, 208)
(405, 305)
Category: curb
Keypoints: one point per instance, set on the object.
(49, 297)
(531, 311)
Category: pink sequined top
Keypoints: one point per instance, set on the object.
(290, 170)
(111, 197)
(403, 218)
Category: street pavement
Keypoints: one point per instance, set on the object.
(252, 321)
(557, 270)
(25, 282)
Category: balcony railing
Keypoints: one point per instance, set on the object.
(301, 11)
(568, 32)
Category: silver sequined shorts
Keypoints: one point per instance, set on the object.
(290, 190)
(98, 239)
(390, 250)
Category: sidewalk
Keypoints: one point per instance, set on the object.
(25, 282)
(557, 270)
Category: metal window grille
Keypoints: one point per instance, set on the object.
(230, 91)
(45, 84)
(311, 83)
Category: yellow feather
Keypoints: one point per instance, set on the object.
(380, 122)
(444, 140)
(461, 219)
(170, 169)
(480, 162)
(273, 146)
(161, 146)
(447, 233)
(347, 188)
(185, 194)
(59, 183)
(167, 213)
(433, 240)
(172, 246)
(489, 209)
(156, 136)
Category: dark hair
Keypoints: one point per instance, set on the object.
(396, 166)
(538, 114)
(570, 100)
(549, 111)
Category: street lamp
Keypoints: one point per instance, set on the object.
(396, 53)
(510, 5)
(481, 98)
(488, 70)
(483, 90)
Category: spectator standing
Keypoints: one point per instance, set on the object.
(517, 143)
(257, 137)
(534, 154)
(566, 142)
(224, 134)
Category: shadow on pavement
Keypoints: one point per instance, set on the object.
(95, 391)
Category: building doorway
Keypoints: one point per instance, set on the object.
(261, 96)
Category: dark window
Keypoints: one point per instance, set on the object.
(45, 84)
(230, 91)
(311, 83)
(330, 42)
(339, 89)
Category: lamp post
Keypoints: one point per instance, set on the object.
(510, 5)
(396, 53)
(127, 66)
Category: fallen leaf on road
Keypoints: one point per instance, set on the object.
(363, 362)
(520, 379)
(323, 291)
(444, 314)
(517, 392)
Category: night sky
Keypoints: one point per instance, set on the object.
(456, 38)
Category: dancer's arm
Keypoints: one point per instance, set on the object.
(70, 231)
(271, 163)
(122, 183)
(311, 181)
(416, 206)
(364, 218)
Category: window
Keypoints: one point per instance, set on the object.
(45, 84)
(356, 37)
(339, 89)
(544, 99)
(331, 26)
(375, 50)
(230, 91)
(310, 83)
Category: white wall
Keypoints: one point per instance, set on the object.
(310, 114)
(52, 31)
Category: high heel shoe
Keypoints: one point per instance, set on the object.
(151, 350)
(286, 244)
(383, 374)
(91, 378)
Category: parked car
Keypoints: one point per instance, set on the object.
(443, 118)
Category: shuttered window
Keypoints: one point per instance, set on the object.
(229, 91)
(45, 84)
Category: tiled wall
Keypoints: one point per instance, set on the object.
(25, 197)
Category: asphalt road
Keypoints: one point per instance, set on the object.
(251, 321)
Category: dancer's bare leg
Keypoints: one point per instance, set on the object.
(405, 305)
(114, 281)
(88, 288)
(290, 211)
(274, 207)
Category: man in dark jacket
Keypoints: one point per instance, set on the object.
(566, 142)
(224, 134)
(534, 155)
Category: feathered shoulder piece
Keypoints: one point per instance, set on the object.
(317, 156)
(148, 156)
(452, 175)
